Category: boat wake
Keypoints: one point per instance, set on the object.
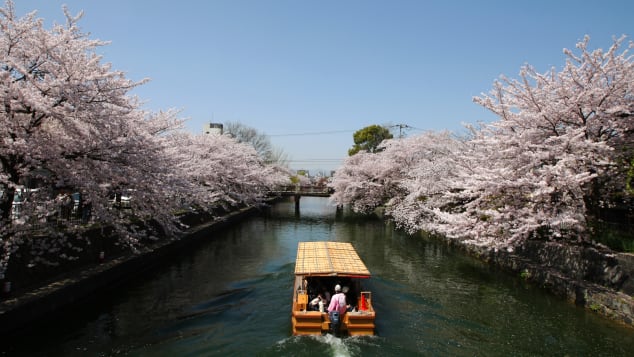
(325, 345)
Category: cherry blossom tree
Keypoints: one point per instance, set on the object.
(429, 166)
(68, 123)
(359, 183)
(219, 170)
(529, 174)
(558, 131)
(396, 170)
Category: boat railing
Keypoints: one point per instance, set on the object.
(302, 300)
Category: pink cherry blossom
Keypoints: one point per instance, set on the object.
(68, 123)
(563, 140)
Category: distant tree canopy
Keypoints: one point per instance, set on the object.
(369, 138)
(260, 142)
(245, 134)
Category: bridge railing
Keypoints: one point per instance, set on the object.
(301, 189)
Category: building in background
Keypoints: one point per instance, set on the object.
(212, 128)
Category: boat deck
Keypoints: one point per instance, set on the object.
(318, 267)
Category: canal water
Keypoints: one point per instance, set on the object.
(231, 297)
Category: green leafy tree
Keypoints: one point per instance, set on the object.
(369, 138)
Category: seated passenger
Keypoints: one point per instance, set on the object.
(317, 304)
(345, 290)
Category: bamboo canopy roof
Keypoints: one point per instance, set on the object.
(329, 259)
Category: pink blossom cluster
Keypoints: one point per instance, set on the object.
(68, 123)
(562, 142)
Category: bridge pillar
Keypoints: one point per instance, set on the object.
(339, 211)
(297, 197)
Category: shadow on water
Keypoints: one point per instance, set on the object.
(227, 301)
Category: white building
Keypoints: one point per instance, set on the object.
(212, 128)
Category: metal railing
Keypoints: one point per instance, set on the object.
(24, 217)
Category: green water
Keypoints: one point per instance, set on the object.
(231, 297)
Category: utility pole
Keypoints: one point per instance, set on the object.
(400, 129)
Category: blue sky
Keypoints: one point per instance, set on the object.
(310, 73)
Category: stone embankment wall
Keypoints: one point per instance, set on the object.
(593, 277)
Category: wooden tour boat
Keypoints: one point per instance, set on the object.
(318, 268)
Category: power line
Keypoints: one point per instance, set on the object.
(401, 127)
(315, 133)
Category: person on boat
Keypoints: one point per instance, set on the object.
(317, 304)
(345, 290)
(336, 309)
(338, 301)
(327, 296)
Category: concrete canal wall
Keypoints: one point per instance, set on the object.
(21, 308)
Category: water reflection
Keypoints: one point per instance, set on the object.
(231, 296)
